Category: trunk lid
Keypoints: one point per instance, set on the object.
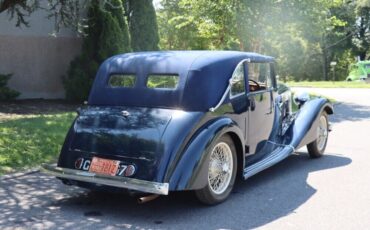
(129, 134)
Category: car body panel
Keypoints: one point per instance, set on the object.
(134, 139)
(261, 119)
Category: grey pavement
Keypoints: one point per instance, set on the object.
(332, 192)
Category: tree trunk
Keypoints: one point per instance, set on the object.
(325, 64)
(324, 58)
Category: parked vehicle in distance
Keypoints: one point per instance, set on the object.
(158, 122)
(359, 71)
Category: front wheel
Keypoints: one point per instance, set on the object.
(222, 168)
(317, 147)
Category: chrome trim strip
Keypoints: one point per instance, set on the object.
(222, 99)
(229, 88)
(121, 182)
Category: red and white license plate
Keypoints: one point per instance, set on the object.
(104, 166)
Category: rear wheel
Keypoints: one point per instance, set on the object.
(317, 147)
(222, 168)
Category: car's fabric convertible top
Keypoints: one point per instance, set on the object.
(203, 78)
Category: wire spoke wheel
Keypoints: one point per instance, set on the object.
(220, 168)
(219, 171)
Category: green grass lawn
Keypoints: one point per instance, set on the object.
(28, 142)
(328, 84)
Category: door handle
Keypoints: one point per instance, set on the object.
(252, 103)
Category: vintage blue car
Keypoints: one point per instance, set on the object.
(158, 122)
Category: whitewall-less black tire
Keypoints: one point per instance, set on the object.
(317, 147)
(222, 166)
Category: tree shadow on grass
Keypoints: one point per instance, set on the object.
(27, 142)
(36, 107)
(40, 201)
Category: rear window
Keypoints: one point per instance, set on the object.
(158, 81)
(122, 80)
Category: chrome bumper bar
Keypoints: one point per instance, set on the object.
(120, 182)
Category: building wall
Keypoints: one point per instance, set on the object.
(37, 60)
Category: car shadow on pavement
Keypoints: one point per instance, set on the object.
(350, 112)
(40, 201)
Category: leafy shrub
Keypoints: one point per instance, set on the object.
(5, 92)
(143, 25)
(106, 35)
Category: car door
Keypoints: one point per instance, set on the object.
(238, 96)
(261, 105)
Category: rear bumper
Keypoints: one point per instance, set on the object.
(120, 182)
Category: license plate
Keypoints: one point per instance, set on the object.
(104, 166)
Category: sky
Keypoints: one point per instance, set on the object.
(157, 3)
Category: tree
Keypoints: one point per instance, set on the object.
(177, 28)
(104, 38)
(64, 13)
(140, 13)
(70, 13)
(361, 38)
(294, 31)
(117, 10)
(143, 25)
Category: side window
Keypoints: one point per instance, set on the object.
(159, 81)
(259, 75)
(237, 81)
(122, 80)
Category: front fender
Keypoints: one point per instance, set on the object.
(303, 130)
(191, 171)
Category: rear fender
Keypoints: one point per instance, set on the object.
(191, 171)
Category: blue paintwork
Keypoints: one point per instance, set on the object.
(167, 135)
(137, 139)
(303, 131)
(190, 171)
(300, 133)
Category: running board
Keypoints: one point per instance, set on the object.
(271, 159)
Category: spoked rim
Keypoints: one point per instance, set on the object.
(220, 168)
(322, 133)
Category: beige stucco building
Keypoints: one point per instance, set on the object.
(37, 59)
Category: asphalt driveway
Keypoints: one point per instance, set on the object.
(299, 193)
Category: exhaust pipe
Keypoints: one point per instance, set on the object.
(145, 199)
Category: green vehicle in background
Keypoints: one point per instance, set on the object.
(359, 71)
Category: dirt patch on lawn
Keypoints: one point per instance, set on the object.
(31, 108)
